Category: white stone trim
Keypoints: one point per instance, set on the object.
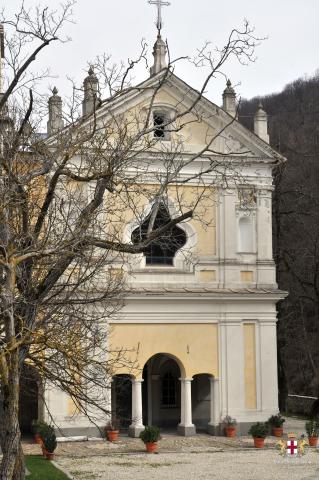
(186, 403)
(137, 407)
(214, 402)
(223, 373)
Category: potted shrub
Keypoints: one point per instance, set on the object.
(41, 428)
(38, 426)
(112, 430)
(230, 426)
(49, 441)
(312, 429)
(275, 423)
(150, 437)
(259, 432)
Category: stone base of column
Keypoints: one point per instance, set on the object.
(214, 430)
(186, 431)
(134, 431)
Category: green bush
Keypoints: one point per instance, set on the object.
(258, 430)
(276, 421)
(49, 439)
(312, 428)
(38, 426)
(113, 425)
(150, 435)
(229, 421)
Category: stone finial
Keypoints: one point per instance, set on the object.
(261, 123)
(229, 100)
(55, 122)
(159, 53)
(91, 87)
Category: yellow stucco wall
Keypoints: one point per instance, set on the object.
(206, 209)
(246, 276)
(250, 365)
(190, 128)
(207, 276)
(129, 203)
(194, 346)
(72, 408)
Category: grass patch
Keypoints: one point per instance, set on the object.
(41, 469)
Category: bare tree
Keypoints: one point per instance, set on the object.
(64, 204)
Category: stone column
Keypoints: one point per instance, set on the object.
(136, 426)
(213, 426)
(186, 427)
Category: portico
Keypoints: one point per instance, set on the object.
(166, 400)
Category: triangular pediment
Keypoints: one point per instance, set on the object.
(232, 138)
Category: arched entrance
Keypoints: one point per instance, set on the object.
(29, 398)
(161, 391)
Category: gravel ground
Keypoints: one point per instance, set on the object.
(201, 457)
(239, 465)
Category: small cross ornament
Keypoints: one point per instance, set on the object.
(159, 4)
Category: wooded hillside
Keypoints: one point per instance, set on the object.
(294, 132)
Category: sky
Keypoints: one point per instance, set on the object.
(117, 27)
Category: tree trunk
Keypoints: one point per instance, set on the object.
(19, 467)
(12, 465)
(282, 381)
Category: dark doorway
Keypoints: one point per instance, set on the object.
(161, 392)
(201, 401)
(29, 398)
(122, 400)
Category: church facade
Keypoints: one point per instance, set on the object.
(199, 321)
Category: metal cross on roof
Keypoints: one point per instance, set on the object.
(159, 4)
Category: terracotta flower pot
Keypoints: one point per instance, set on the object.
(151, 447)
(259, 442)
(313, 441)
(112, 435)
(49, 455)
(37, 438)
(230, 431)
(278, 431)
